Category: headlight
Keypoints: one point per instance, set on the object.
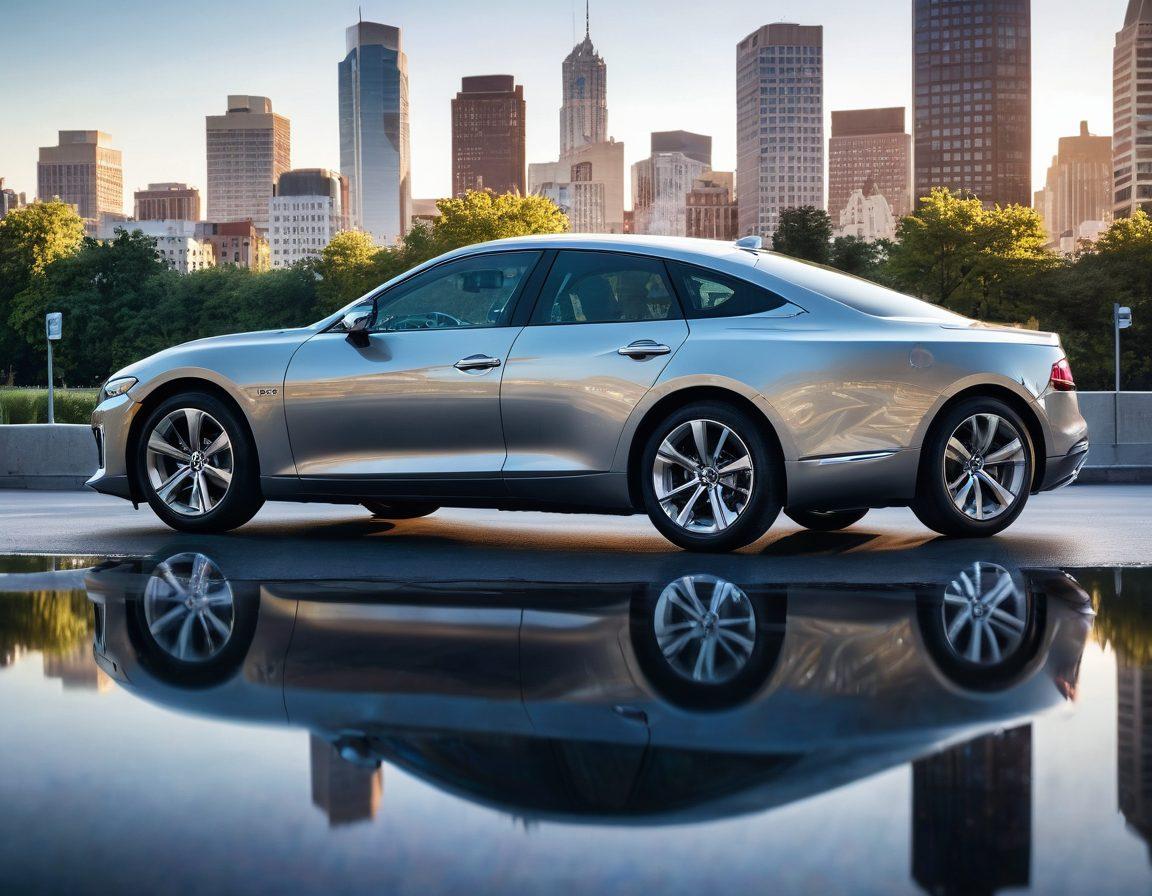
(119, 386)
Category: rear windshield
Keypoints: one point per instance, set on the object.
(855, 292)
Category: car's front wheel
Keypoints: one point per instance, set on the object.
(709, 478)
(976, 470)
(196, 466)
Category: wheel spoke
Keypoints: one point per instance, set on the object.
(680, 489)
(1007, 620)
(185, 636)
(668, 454)
(985, 441)
(700, 440)
(977, 498)
(206, 501)
(973, 652)
(737, 466)
(194, 417)
(960, 498)
(686, 512)
(217, 445)
(1013, 452)
(724, 432)
(747, 643)
(957, 451)
(719, 511)
(168, 618)
(159, 445)
(670, 650)
(1003, 497)
(165, 491)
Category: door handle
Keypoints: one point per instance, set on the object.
(477, 362)
(643, 348)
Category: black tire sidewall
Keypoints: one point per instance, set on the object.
(765, 503)
(243, 498)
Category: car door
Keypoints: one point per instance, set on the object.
(421, 399)
(603, 330)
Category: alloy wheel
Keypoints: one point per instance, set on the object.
(189, 461)
(985, 461)
(189, 608)
(985, 615)
(705, 628)
(703, 476)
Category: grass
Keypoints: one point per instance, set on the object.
(31, 405)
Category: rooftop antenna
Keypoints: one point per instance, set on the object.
(587, 21)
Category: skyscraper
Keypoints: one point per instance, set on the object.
(710, 207)
(584, 111)
(167, 202)
(1078, 187)
(780, 123)
(249, 147)
(85, 171)
(374, 143)
(9, 199)
(973, 97)
(1132, 112)
(661, 183)
(869, 146)
(488, 135)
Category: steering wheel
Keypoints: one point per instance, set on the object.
(428, 320)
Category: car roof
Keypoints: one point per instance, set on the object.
(676, 247)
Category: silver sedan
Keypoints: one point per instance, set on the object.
(710, 385)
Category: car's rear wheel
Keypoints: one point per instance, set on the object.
(976, 470)
(196, 466)
(826, 520)
(709, 478)
(400, 510)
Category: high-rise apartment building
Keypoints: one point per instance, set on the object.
(249, 147)
(236, 243)
(972, 81)
(584, 110)
(1132, 112)
(85, 171)
(488, 135)
(710, 207)
(1078, 187)
(780, 123)
(374, 143)
(167, 202)
(661, 182)
(309, 208)
(869, 146)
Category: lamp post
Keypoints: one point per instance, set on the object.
(1121, 320)
(53, 328)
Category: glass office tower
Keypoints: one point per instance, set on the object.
(374, 147)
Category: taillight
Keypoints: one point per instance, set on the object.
(1061, 378)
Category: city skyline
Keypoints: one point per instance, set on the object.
(697, 98)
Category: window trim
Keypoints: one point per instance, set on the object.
(676, 304)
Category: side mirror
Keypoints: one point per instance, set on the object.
(358, 329)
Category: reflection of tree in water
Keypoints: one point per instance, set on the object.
(1123, 602)
(55, 622)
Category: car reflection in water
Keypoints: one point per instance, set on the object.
(696, 698)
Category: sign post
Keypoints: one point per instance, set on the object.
(1121, 320)
(53, 328)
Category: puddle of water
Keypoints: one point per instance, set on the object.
(172, 726)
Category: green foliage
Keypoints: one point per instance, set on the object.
(1123, 615)
(479, 216)
(51, 621)
(804, 232)
(31, 405)
(859, 257)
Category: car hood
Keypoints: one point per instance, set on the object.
(186, 353)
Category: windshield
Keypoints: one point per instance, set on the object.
(855, 292)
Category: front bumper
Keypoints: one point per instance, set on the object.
(111, 423)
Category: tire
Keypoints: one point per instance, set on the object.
(985, 497)
(400, 511)
(826, 520)
(693, 494)
(201, 500)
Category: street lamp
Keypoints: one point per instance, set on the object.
(53, 328)
(1121, 320)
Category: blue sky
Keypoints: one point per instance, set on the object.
(149, 72)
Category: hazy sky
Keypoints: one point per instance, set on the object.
(149, 72)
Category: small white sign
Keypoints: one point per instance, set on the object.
(1123, 318)
(54, 324)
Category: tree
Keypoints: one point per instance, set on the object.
(31, 238)
(860, 257)
(479, 216)
(977, 261)
(804, 232)
(347, 268)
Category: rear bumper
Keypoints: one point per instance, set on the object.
(1063, 469)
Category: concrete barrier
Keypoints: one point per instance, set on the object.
(39, 455)
(63, 456)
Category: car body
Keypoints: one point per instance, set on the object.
(563, 700)
(834, 385)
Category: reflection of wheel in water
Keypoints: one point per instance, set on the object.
(703, 642)
(705, 628)
(189, 608)
(983, 627)
(190, 625)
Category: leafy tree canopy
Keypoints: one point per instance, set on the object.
(804, 232)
